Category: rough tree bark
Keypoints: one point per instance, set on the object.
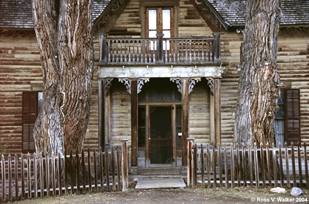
(63, 31)
(259, 79)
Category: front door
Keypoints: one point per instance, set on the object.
(160, 140)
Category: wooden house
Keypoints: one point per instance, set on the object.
(165, 71)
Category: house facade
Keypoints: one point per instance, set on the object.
(165, 71)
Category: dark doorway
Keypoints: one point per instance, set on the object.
(160, 135)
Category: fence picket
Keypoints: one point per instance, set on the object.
(306, 163)
(232, 165)
(299, 166)
(293, 165)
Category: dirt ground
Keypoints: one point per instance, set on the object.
(198, 195)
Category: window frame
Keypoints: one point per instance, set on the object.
(30, 111)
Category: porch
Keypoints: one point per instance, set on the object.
(136, 61)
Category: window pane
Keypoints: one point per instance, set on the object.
(167, 34)
(152, 34)
(152, 19)
(166, 19)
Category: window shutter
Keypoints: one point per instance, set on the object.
(30, 112)
(292, 120)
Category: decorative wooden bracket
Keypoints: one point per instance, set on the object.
(127, 83)
(107, 84)
(178, 82)
(192, 83)
(140, 83)
(210, 82)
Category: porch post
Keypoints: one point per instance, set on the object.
(101, 130)
(185, 118)
(134, 106)
(217, 110)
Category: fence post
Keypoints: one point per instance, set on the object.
(190, 169)
(124, 165)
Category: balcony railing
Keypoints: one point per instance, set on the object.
(151, 51)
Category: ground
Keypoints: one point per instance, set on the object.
(198, 195)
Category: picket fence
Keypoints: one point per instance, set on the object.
(31, 175)
(234, 165)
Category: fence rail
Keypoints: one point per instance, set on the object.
(233, 165)
(198, 50)
(31, 175)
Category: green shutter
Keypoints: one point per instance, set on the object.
(292, 119)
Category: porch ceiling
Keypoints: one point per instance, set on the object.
(162, 71)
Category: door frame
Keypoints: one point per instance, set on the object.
(173, 132)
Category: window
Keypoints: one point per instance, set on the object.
(159, 21)
(287, 120)
(31, 104)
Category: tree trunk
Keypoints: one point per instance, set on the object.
(258, 84)
(63, 31)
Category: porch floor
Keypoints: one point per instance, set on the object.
(149, 183)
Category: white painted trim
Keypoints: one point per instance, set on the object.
(163, 71)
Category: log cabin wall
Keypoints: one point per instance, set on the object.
(199, 113)
(20, 71)
(120, 114)
(190, 23)
(293, 66)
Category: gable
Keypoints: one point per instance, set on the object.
(187, 20)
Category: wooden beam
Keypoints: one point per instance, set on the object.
(217, 110)
(185, 118)
(134, 124)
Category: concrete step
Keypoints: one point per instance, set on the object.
(160, 183)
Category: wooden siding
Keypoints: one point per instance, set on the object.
(190, 23)
(120, 114)
(199, 114)
(293, 66)
(20, 71)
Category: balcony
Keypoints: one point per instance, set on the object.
(160, 51)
